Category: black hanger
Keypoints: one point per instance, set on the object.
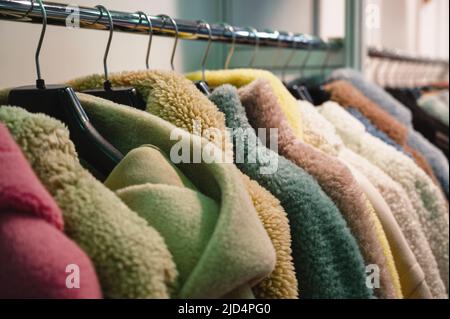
(299, 90)
(121, 95)
(61, 103)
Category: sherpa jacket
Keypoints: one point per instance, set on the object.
(130, 257)
(189, 109)
(428, 202)
(263, 111)
(241, 77)
(374, 131)
(239, 251)
(327, 259)
(37, 259)
(348, 96)
(419, 273)
(434, 156)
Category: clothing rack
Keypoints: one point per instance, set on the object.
(404, 57)
(92, 18)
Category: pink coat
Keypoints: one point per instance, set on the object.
(36, 259)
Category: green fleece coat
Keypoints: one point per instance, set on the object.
(149, 184)
(175, 99)
(130, 257)
(239, 252)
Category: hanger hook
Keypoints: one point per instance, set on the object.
(40, 84)
(150, 33)
(290, 57)
(327, 57)
(305, 60)
(203, 24)
(228, 27)
(29, 10)
(253, 31)
(164, 17)
(102, 8)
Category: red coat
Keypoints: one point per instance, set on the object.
(37, 260)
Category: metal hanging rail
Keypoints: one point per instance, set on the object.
(404, 57)
(91, 18)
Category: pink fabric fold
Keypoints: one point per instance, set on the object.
(37, 259)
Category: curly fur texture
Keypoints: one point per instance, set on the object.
(175, 99)
(130, 257)
(327, 259)
(333, 176)
(348, 96)
(426, 198)
(239, 253)
(321, 131)
(31, 223)
(241, 77)
(401, 113)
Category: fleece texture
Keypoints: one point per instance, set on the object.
(174, 98)
(417, 281)
(401, 113)
(149, 184)
(263, 111)
(348, 96)
(373, 130)
(327, 259)
(375, 93)
(428, 202)
(241, 77)
(34, 251)
(152, 186)
(435, 107)
(130, 257)
(239, 252)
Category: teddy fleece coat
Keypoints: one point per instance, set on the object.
(327, 259)
(36, 257)
(419, 274)
(239, 251)
(348, 96)
(130, 257)
(241, 77)
(189, 109)
(151, 185)
(374, 131)
(333, 176)
(401, 113)
(428, 201)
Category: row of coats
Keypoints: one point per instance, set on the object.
(214, 230)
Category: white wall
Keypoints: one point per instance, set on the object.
(287, 15)
(332, 19)
(412, 26)
(69, 53)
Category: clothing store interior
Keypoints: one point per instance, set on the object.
(225, 149)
